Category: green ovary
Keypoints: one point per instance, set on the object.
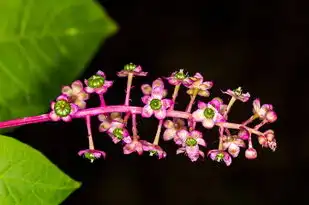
(219, 156)
(129, 67)
(153, 152)
(118, 133)
(209, 113)
(155, 104)
(96, 81)
(238, 91)
(190, 141)
(89, 156)
(180, 75)
(62, 108)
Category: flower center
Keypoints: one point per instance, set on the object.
(90, 156)
(118, 133)
(153, 152)
(190, 141)
(219, 157)
(180, 75)
(129, 67)
(155, 104)
(62, 108)
(96, 81)
(238, 91)
(209, 113)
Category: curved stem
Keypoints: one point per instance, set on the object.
(114, 108)
(90, 139)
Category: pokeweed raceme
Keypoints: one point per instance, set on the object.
(179, 126)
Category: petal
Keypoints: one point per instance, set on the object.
(101, 73)
(122, 73)
(62, 97)
(77, 86)
(190, 92)
(196, 134)
(201, 154)
(168, 124)
(213, 154)
(145, 99)
(198, 115)
(239, 143)
(160, 114)
(89, 89)
(234, 150)
(182, 134)
(226, 144)
(201, 142)
(203, 93)
(52, 105)
(173, 81)
(53, 116)
(80, 103)
(216, 103)
(139, 148)
(146, 89)
(66, 90)
(201, 105)
(206, 85)
(147, 111)
(167, 103)
(129, 148)
(115, 139)
(169, 134)
(127, 139)
(157, 92)
(108, 83)
(193, 152)
(244, 97)
(104, 126)
(140, 73)
(227, 159)
(180, 150)
(158, 83)
(82, 96)
(101, 90)
(74, 108)
(82, 152)
(67, 118)
(138, 69)
(103, 117)
(208, 123)
(256, 105)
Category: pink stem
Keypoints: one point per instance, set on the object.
(134, 127)
(88, 122)
(253, 117)
(113, 108)
(102, 101)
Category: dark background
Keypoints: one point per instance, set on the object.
(259, 45)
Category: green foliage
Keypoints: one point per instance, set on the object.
(44, 45)
(27, 177)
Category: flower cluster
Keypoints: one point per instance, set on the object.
(179, 127)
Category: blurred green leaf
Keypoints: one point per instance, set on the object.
(44, 45)
(28, 177)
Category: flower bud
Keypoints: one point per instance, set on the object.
(262, 140)
(243, 134)
(269, 134)
(271, 116)
(251, 153)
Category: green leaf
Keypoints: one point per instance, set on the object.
(43, 46)
(28, 177)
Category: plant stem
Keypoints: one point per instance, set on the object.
(88, 123)
(253, 117)
(192, 100)
(221, 129)
(126, 117)
(157, 137)
(258, 126)
(232, 101)
(129, 84)
(114, 108)
(134, 128)
(102, 101)
(175, 94)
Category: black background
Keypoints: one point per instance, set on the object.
(259, 45)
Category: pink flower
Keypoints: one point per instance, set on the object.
(208, 113)
(196, 82)
(97, 83)
(268, 140)
(134, 146)
(177, 77)
(62, 109)
(131, 68)
(233, 144)
(153, 149)
(238, 94)
(172, 128)
(217, 155)
(264, 112)
(154, 103)
(92, 154)
(190, 144)
(251, 153)
(76, 94)
(115, 128)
